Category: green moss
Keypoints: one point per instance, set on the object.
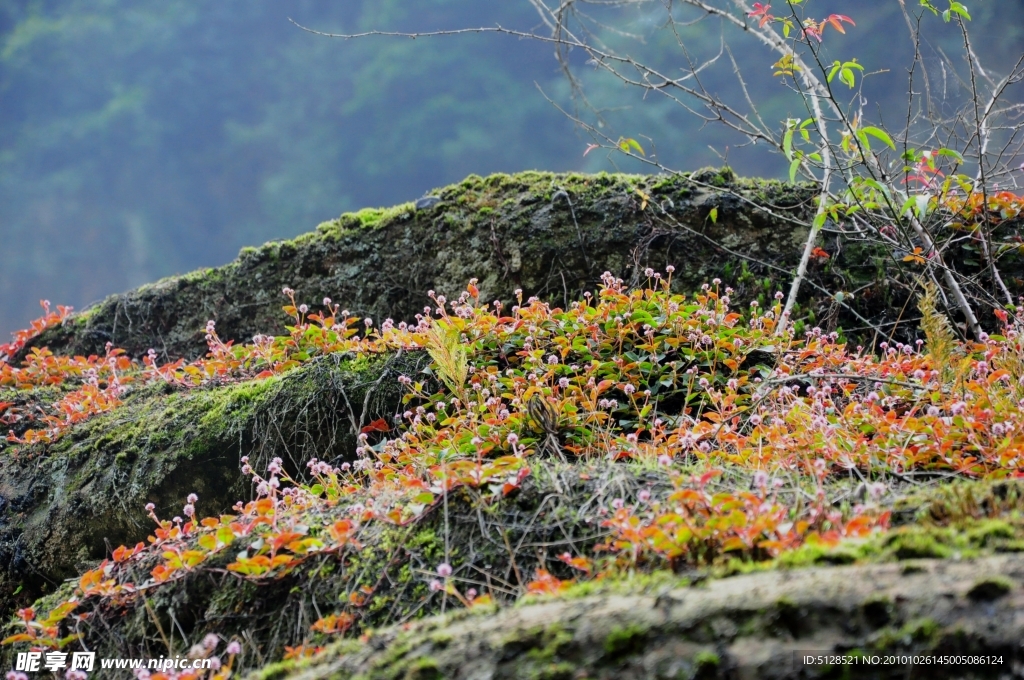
(706, 660)
(990, 588)
(1012, 546)
(441, 638)
(367, 218)
(625, 641)
(628, 584)
(554, 639)
(536, 644)
(920, 632)
(277, 671)
(915, 544)
(423, 668)
(556, 671)
(967, 505)
(847, 552)
(991, 532)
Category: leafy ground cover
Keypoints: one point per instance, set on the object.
(545, 449)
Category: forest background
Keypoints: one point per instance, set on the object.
(140, 139)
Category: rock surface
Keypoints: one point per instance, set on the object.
(550, 235)
(754, 626)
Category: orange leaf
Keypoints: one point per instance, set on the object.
(546, 584)
(836, 20)
(341, 531)
(20, 637)
(379, 425)
(334, 624)
(90, 579)
(581, 563)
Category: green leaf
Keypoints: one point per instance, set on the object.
(876, 185)
(225, 535)
(787, 143)
(922, 205)
(879, 134)
(835, 69)
(951, 153)
(957, 8)
(819, 221)
(792, 169)
(629, 144)
(713, 215)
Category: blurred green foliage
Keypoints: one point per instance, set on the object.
(141, 138)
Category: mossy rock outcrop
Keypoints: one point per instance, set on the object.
(68, 504)
(65, 505)
(550, 235)
(760, 625)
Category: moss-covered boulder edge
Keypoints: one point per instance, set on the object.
(551, 235)
(759, 625)
(66, 505)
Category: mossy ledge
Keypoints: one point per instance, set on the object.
(551, 235)
(752, 626)
(65, 505)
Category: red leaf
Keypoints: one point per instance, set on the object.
(837, 21)
(379, 425)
